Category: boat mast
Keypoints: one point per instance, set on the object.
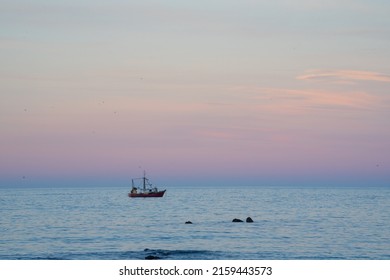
(144, 180)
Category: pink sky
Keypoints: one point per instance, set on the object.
(205, 98)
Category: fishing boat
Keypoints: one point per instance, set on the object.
(145, 190)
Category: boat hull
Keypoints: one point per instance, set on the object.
(151, 194)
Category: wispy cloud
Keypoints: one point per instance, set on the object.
(300, 100)
(315, 98)
(344, 76)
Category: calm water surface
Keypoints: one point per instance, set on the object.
(103, 223)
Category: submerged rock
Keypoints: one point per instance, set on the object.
(151, 257)
(235, 220)
(249, 220)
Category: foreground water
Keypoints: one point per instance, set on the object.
(104, 224)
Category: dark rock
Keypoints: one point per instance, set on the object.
(151, 257)
(188, 222)
(237, 221)
(249, 220)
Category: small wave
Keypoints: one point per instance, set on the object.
(135, 255)
(185, 254)
(162, 254)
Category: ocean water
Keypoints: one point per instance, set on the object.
(290, 223)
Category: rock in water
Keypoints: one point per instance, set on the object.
(188, 222)
(249, 220)
(235, 220)
(151, 257)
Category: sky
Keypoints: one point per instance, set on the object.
(197, 93)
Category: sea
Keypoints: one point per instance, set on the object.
(289, 223)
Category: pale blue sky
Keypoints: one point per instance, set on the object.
(257, 92)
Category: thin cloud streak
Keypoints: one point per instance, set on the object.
(297, 100)
(344, 76)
